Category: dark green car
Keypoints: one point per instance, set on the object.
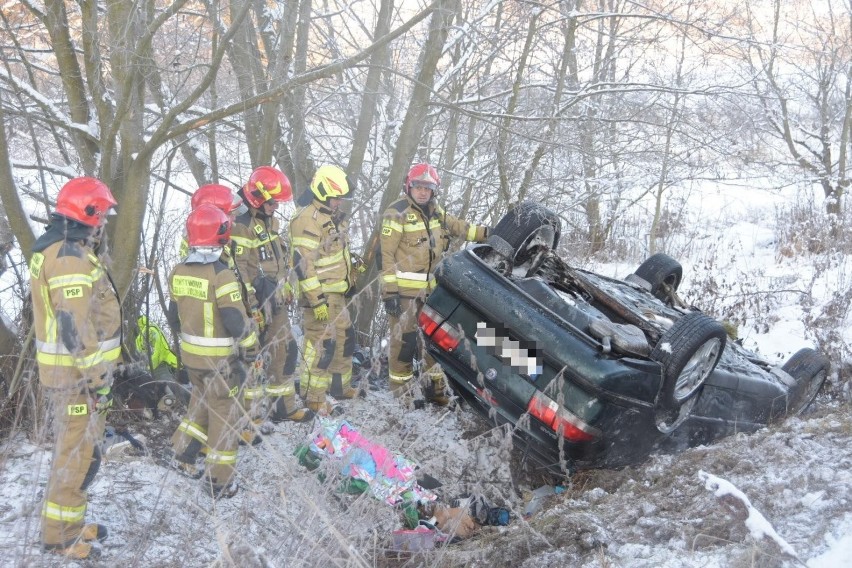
(591, 371)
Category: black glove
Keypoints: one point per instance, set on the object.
(392, 306)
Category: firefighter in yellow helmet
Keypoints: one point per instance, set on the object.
(261, 258)
(321, 258)
(77, 320)
(416, 233)
(216, 339)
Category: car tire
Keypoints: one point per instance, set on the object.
(662, 273)
(809, 369)
(523, 229)
(687, 353)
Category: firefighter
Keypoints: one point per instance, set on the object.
(151, 343)
(416, 233)
(323, 265)
(221, 197)
(216, 338)
(77, 319)
(262, 261)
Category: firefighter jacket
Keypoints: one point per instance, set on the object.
(208, 312)
(76, 311)
(320, 241)
(413, 240)
(259, 254)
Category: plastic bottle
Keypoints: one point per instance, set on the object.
(538, 497)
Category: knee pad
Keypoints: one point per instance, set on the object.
(349, 343)
(292, 359)
(328, 348)
(408, 348)
(93, 468)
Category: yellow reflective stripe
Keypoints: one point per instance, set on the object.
(49, 319)
(64, 360)
(414, 227)
(400, 379)
(209, 322)
(413, 284)
(192, 430)
(252, 243)
(70, 280)
(305, 242)
(250, 340)
(281, 390)
(310, 353)
(471, 233)
(434, 223)
(318, 381)
(327, 260)
(253, 393)
(422, 276)
(206, 351)
(221, 458)
(309, 284)
(389, 278)
(206, 341)
(392, 224)
(57, 512)
(339, 287)
(228, 289)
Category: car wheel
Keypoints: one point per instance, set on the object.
(687, 352)
(524, 230)
(809, 368)
(662, 273)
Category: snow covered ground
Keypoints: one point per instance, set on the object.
(779, 497)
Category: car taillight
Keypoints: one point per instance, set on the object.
(560, 420)
(444, 335)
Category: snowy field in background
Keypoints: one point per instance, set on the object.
(796, 477)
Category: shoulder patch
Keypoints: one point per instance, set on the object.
(36, 263)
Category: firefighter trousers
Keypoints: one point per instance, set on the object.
(405, 345)
(78, 429)
(211, 420)
(328, 350)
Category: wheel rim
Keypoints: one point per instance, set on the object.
(697, 369)
(810, 392)
(669, 421)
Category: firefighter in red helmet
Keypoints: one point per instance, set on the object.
(261, 256)
(216, 340)
(77, 320)
(416, 233)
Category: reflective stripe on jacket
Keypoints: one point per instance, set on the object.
(413, 240)
(76, 314)
(320, 242)
(258, 249)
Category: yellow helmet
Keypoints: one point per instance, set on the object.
(330, 181)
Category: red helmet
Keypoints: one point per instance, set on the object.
(267, 183)
(217, 195)
(86, 200)
(208, 226)
(422, 175)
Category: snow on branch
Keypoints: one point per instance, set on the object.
(736, 501)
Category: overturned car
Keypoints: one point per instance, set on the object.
(591, 371)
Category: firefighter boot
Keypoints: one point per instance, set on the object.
(339, 390)
(281, 412)
(436, 387)
(77, 550)
(94, 531)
